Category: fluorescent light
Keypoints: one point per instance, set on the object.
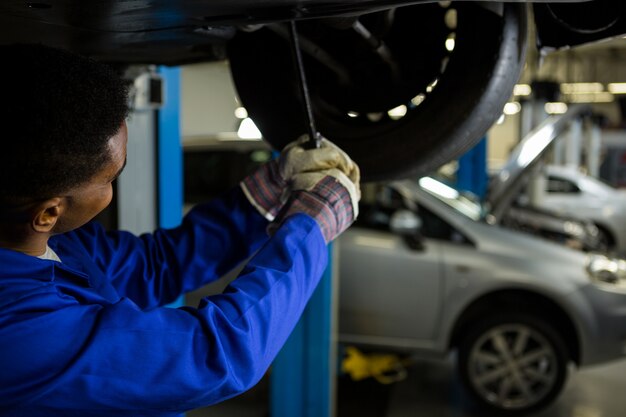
(501, 119)
(512, 108)
(617, 88)
(581, 88)
(522, 90)
(248, 130)
(556, 107)
(604, 97)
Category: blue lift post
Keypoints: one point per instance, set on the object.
(169, 154)
(302, 378)
(303, 375)
(472, 170)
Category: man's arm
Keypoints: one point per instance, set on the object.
(154, 269)
(117, 357)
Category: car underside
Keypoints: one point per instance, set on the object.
(402, 86)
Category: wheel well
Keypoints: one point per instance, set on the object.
(519, 301)
(608, 233)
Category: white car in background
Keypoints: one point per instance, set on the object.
(571, 192)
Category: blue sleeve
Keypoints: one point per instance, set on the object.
(117, 357)
(154, 269)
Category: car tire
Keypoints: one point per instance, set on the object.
(451, 98)
(513, 363)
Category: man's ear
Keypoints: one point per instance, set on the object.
(47, 214)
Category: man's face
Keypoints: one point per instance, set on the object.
(84, 202)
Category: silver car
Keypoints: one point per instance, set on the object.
(421, 271)
(571, 192)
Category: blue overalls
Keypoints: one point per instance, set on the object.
(89, 336)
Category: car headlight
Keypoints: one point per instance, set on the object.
(592, 230)
(606, 270)
(574, 229)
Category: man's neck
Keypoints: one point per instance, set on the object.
(33, 244)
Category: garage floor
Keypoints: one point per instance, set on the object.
(431, 390)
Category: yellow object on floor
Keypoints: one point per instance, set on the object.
(385, 368)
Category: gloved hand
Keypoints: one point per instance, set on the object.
(329, 196)
(268, 187)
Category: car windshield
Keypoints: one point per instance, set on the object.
(463, 202)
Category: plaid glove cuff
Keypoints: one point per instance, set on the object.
(264, 189)
(328, 202)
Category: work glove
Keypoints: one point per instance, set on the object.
(329, 196)
(268, 187)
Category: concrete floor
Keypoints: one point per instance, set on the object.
(431, 389)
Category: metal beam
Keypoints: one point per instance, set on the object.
(303, 375)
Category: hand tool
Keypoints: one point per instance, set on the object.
(314, 136)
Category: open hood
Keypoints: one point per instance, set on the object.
(507, 184)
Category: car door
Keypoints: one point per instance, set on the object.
(390, 285)
(563, 195)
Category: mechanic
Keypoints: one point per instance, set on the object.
(82, 323)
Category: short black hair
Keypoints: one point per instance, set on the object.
(58, 112)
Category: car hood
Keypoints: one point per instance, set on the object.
(510, 243)
(494, 238)
(506, 185)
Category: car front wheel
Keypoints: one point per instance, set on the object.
(403, 91)
(513, 363)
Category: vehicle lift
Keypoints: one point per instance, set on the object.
(302, 378)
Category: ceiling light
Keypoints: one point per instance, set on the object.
(617, 88)
(512, 108)
(522, 90)
(556, 107)
(604, 97)
(581, 88)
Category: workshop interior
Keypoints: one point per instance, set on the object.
(485, 274)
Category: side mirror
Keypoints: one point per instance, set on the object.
(405, 223)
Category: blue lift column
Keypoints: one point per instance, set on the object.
(472, 170)
(302, 379)
(170, 155)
